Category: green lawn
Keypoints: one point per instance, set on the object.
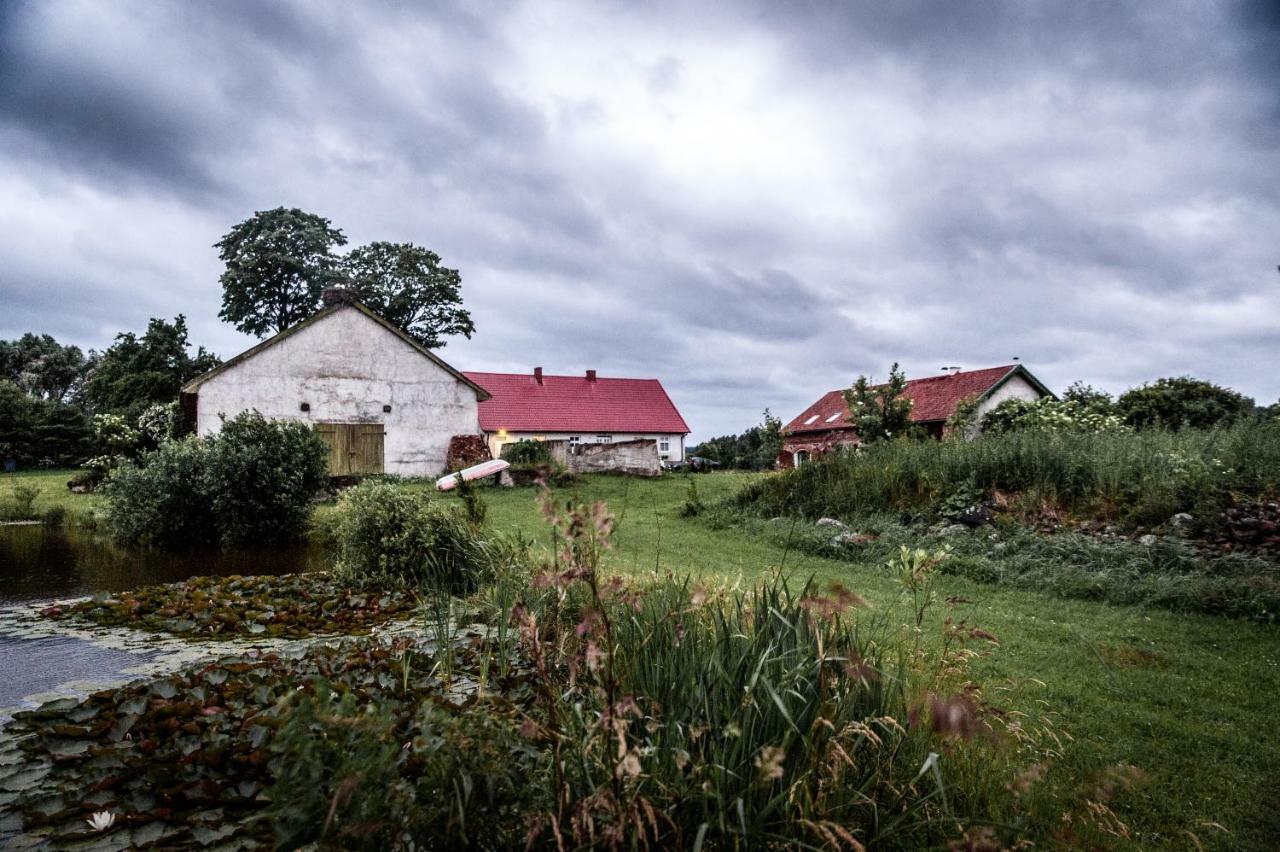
(1192, 701)
(53, 490)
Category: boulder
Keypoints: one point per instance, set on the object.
(976, 516)
(954, 529)
(1147, 540)
(832, 522)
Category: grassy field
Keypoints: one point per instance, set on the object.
(1189, 700)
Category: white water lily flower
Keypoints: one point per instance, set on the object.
(102, 820)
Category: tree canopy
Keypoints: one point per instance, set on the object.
(136, 372)
(1182, 402)
(882, 411)
(42, 367)
(406, 285)
(277, 263)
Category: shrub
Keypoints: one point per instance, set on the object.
(261, 476)
(24, 499)
(527, 452)
(1183, 402)
(252, 482)
(390, 535)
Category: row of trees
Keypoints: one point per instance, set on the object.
(60, 406)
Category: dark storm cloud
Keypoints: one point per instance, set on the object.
(755, 203)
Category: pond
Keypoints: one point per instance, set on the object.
(40, 563)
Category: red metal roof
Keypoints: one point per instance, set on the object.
(576, 404)
(934, 398)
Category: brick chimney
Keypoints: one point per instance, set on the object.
(537, 375)
(337, 295)
(591, 375)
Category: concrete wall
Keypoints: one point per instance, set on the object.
(674, 453)
(637, 457)
(347, 367)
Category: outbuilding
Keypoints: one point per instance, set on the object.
(825, 426)
(380, 400)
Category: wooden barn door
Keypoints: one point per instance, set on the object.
(354, 448)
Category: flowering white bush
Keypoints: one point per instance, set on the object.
(1052, 415)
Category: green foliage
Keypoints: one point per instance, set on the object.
(260, 477)
(527, 451)
(963, 422)
(137, 372)
(1142, 478)
(388, 535)
(252, 482)
(292, 605)
(1183, 402)
(473, 505)
(277, 263)
(40, 432)
(693, 505)
(406, 285)
(1049, 414)
(21, 506)
(880, 412)
(336, 774)
(755, 449)
(43, 368)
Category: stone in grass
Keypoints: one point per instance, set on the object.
(851, 539)
(975, 516)
(832, 522)
(1181, 521)
(1147, 540)
(954, 529)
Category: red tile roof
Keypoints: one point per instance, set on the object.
(575, 404)
(934, 398)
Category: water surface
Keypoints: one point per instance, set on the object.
(39, 563)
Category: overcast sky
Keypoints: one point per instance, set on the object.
(754, 203)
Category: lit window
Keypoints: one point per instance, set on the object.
(833, 418)
(811, 420)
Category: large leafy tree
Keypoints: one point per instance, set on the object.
(138, 371)
(407, 285)
(880, 412)
(42, 367)
(1182, 402)
(277, 263)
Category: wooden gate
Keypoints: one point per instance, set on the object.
(354, 448)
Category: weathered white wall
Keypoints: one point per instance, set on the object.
(347, 367)
(1016, 388)
(675, 453)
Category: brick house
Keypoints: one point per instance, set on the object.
(824, 425)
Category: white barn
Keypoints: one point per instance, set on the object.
(382, 402)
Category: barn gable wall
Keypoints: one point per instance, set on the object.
(346, 367)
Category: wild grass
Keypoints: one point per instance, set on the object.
(1137, 478)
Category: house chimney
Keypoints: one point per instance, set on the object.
(591, 375)
(537, 375)
(337, 295)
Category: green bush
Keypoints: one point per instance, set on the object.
(527, 452)
(391, 535)
(261, 476)
(252, 482)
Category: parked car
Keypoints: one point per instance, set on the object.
(702, 464)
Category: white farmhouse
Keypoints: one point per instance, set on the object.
(382, 402)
